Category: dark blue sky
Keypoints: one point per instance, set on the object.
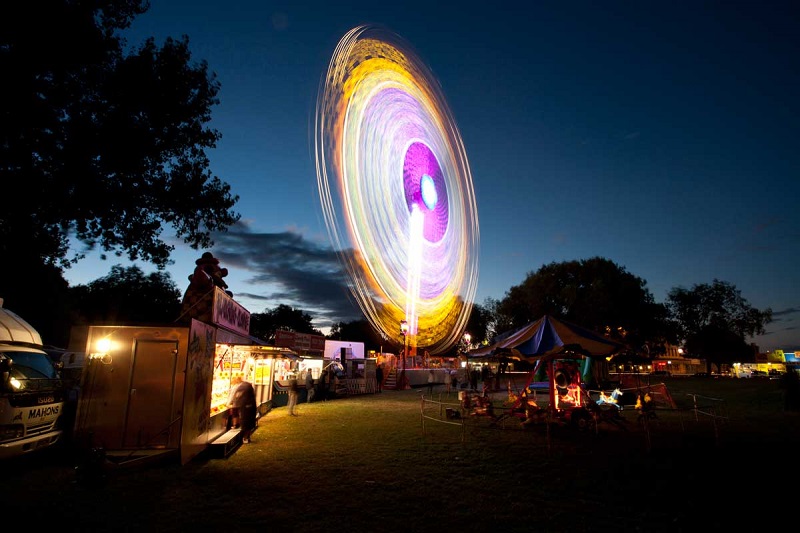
(663, 136)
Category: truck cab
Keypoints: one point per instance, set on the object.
(31, 389)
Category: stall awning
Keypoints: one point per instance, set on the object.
(273, 351)
(226, 336)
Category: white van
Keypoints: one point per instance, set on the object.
(31, 389)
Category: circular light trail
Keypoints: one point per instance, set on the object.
(396, 189)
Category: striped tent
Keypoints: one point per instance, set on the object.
(545, 337)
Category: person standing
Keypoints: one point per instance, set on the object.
(293, 390)
(379, 377)
(309, 386)
(323, 384)
(242, 404)
(431, 380)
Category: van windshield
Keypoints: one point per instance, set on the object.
(31, 365)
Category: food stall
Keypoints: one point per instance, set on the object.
(165, 388)
(263, 366)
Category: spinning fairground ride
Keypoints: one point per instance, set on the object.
(396, 191)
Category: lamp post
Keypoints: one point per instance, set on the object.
(467, 343)
(404, 331)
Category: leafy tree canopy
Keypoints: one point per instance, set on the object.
(594, 293)
(717, 304)
(127, 295)
(283, 317)
(490, 321)
(477, 325)
(40, 295)
(718, 345)
(101, 145)
(714, 319)
(482, 325)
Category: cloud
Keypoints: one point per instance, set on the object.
(780, 332)
(772, 235)
(763, 226)
(292, 270)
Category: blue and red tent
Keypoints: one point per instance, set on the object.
(546, 337)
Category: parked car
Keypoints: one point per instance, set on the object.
(661, 373)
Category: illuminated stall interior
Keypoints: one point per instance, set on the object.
(260, 365)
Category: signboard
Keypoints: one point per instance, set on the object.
(263, 372)
(301, 342)
(229, 313)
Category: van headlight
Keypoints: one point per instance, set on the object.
(12, 431)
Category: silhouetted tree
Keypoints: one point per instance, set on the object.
(594, 293)
(100, 144)
(496, 321)
(127, 296)
(718, 345)
(714, 319)
(40, 296)
(284, 317)
(478, 324)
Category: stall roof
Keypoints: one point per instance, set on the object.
(278, 351)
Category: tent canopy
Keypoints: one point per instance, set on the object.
(549, 336)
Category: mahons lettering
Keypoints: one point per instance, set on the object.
(40, 412)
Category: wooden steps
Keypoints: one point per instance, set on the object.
(390, 382)
(227, 443)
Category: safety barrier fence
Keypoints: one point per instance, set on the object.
(443, 410)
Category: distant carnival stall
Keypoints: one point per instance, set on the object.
(165, 388)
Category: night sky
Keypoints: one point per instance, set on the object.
(663, 136)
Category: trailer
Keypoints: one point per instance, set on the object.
(153, 392)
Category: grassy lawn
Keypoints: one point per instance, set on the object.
(364, 464)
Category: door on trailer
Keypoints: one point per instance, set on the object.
(151, 399)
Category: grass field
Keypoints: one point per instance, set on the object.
(363, 464)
